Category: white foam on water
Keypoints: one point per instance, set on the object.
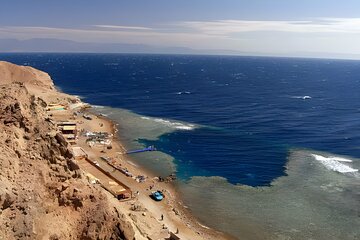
(203, 226)
(185, 92)
(335, 163)
(97, 106)
(172, 124)
(339, 159)
(78, 96)
(301, 97)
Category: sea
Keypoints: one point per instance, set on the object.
(263, 147)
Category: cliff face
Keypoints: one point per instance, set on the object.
(10, 73)
(43, 194)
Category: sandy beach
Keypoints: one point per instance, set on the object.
(176, 218)
(149, 219)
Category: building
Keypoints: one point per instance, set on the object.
(96, 174)
(56, 107)
(69, 131)
(79, 153)
(110, 183)
(117, 189)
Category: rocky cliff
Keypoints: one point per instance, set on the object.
(43, 194)
(10, 73)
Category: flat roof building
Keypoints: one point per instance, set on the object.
(79, 153)
(69, 130)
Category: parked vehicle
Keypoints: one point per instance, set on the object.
(157, 195)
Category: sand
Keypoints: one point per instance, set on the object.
(148, 219)
(175, 217)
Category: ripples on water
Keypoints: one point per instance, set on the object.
(239, 118)
(314, 201)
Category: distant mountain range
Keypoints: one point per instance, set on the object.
(67, 46)
(57, 45)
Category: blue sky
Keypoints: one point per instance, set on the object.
(283, 27)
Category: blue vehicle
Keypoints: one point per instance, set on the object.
(157, 195)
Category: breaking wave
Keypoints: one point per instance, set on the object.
(335, 163)
(97, 106)
(181, 93)
(301, 97)
(172, 124)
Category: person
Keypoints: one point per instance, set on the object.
(177, 231)
(162, 217)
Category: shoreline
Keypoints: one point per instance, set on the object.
(318, 187)
(82, 138)
(177, 205)
(177, 217)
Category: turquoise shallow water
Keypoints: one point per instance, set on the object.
(317, 199)
(229, 126)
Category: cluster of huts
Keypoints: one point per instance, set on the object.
(93, 171)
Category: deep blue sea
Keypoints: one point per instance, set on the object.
(254, 109)
(250, 111)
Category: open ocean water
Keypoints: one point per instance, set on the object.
(264, 148)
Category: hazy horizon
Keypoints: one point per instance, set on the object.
(72, 47)
(286, 28)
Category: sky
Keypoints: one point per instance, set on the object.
(269, 27)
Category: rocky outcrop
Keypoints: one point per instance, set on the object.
(43, 194)
(10, 73)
